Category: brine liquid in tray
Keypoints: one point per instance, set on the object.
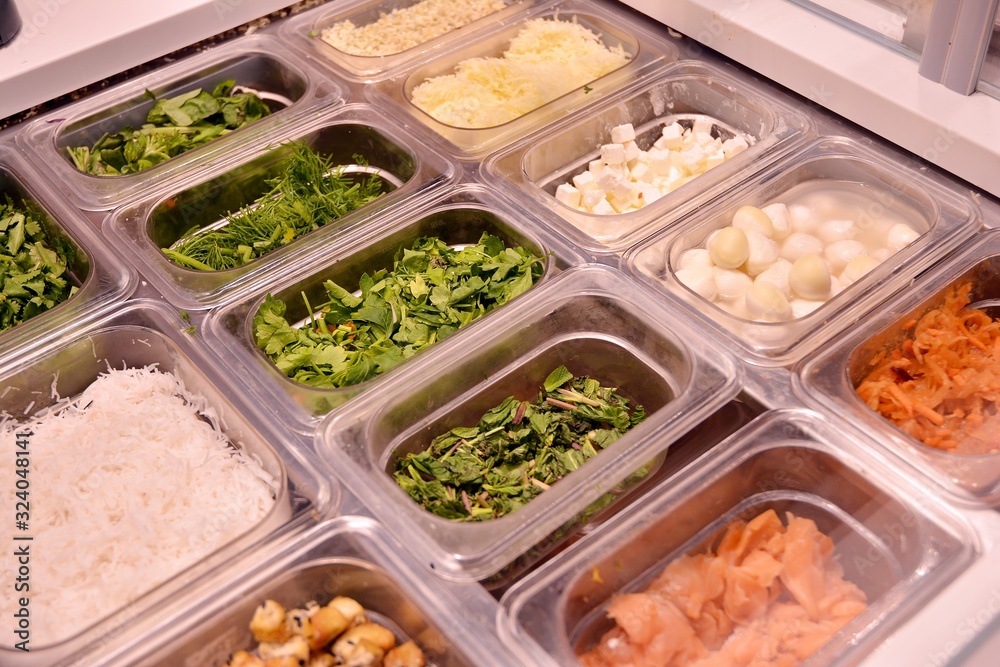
(786, 259)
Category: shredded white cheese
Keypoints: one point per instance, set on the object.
(406, 27)
(130, 483)
(546, 59)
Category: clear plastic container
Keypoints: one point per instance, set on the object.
(591, 321)
(257, 62)
(101, 278)
(615, 29)
(457, 216)
(829, 379)
(943, 216)
(408, 171)
(351, 556)
(683, 92)
(134, 336)
(894, 544)
(305, 32)
(715, 428)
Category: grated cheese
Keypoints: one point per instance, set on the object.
(546, 59)
(406, 27)
(130, 483)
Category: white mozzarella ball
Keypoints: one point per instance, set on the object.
(883, 254)
(751, 218)
(729, 247)
(825, 205)
(857, 268)
(763, 252)
(799, 244)
(700, 280)
(803, 219)
(781, 220)
(766, 303)
(777, 275)
(802, 307)
(694, 258)
(731, 283)
(900, 236)
(809, 278)
(840, 253)
(879, 227)
(831, 231)
(836, 287)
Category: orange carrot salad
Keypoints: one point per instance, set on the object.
(942, 386)
(771, 595)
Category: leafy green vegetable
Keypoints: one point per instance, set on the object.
(517, 450)
(173, 126)
(306, 194)
(431, 291)
(33, 270)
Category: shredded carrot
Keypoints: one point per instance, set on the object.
(944, 381)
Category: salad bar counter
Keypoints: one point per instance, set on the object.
(545, 337)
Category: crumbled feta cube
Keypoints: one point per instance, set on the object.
(591, 198)
(659, 161)
(607, 179)
(620, 204)
(649, 193)
(703, 126)
(603, 208)
(670, 137)
(715, 159)
(585, 181)
(642, 173)
(568, 195)
(622, 190)
(734, 146)
(702, 139)
(623, 133)
(693, 157)
(632, 151)
(613, 153)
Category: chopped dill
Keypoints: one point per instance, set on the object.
(307, 193)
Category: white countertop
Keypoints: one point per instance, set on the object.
(851, 75)
(66, 44)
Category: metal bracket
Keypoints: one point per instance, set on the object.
(957, 39)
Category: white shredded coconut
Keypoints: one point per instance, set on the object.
(406, 27)
(546, 59)
(128, 486)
